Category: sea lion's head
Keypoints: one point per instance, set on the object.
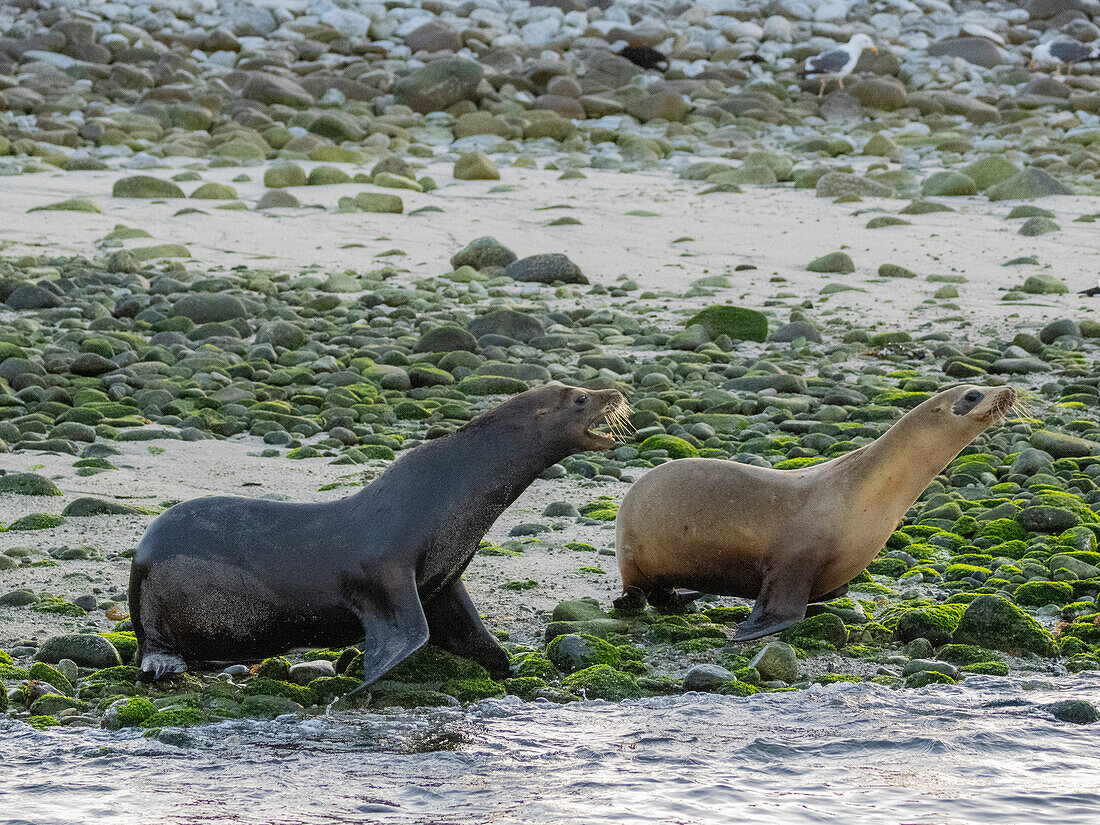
(567, 416)
(968, 410)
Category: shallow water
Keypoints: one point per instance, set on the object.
(980, 752)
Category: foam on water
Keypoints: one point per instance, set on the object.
(978, 752)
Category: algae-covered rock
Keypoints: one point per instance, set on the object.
(279, 177)
(1039, 225)
(475, 166)
(994, 622)
(1075, 711)
(834, 262)
(602, 682)
(71, 205)
(380, 203)
(812, 632)
(1028, 184)
(990, 170)
(433, 664)
(675, 446)
(473, 690)
(483, 252)
(215, 191)
(128, 712)
(260, 706)
(86, 506)
(948, 183)
(776, 662)
(87, 650)
(28, 484)
(145, 186)
(573, 652)
(1037, 594)
(739, 323)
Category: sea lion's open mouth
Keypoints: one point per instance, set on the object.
(615, 415)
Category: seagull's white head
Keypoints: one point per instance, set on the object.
(1040, 54)
(861, 42)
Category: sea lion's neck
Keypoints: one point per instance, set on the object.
(456, 487)
(896, 468)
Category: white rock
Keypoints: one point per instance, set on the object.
(777, 28)
(61, 61)
(348, 23)
(540, 32)
(835, 11)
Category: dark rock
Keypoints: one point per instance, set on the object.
(1075, 711)
(794, 330)
(483, 252)
(32, 296)
(87, 650)
(980, 51)
(438, 85)
(547, 268)
(268, 88)
(208, 307)
(507, 322)
(446, 339)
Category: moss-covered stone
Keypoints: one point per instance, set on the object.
(1037, 594)
(145, 186)
(473, 690)
(602, 682)
(991, 621)
(739, 323)
(45, 673)
(573, 652)
(304, 696)
(825, 629)
(675, 447)
(178, 717)
(435, 665)
(835, 262)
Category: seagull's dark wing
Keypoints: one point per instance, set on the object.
(828, 62)
(1070, 51)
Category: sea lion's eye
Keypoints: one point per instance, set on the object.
(581, 399)
(968, 402)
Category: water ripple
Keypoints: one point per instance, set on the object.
(974, 753)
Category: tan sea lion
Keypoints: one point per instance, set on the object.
(788, 537)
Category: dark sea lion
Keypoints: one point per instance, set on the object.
(225, 579)
(788, 537)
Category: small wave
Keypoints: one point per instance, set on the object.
(979, 752)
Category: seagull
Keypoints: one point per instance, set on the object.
(1063, 53)
(838, 63)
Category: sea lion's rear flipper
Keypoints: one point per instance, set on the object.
(394, 625)
(455, 625)
(672, 599)
(781, 603)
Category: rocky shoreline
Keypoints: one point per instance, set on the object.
(257, 246)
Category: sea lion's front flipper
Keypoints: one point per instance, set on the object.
(394, 626)
(780, 604)
(455, 625)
